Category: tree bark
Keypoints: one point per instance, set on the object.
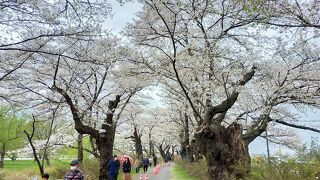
(80, 148)
(2, 153)
(225, 151)
(94, 148)
(151, 148)
(106, 139)
(106, 149)
(186, 139)
(138, 144)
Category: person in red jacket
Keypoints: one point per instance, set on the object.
(74, 173)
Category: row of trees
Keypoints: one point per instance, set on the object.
(227, 69)
(227, 60)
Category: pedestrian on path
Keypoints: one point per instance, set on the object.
(113, 168)
(74, 173)
(137, 165)
(145, 163)
(126, 169)
(154, 161)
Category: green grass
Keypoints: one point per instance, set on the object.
(23, 169)
(19, 165)
(30, 164)
(179, 173)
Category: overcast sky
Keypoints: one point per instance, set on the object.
(122, 14)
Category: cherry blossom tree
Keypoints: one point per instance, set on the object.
(28, 27)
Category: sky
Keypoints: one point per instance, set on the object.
(123, 14)
(258, 146)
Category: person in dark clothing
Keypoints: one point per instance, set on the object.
(145, 163)
(126, 169)
(126, 166)
(74, 173)
(154, 160)
(113, 168)
(118, 163)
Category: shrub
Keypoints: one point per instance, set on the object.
(18, 175)
(91, 169)
(195, 169)
(284, 169)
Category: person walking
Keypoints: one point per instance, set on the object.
(126, 169)
(137, 165)
(145, 163)
(154, 161)
(113, 168)
(74, 173)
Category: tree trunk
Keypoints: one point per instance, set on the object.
(2, 153)
(105, 136)
(80, 148)
(34, 149)
(106, 139)
(150, 145)
(106, 149)
(94, 148)
(172, 152)
(162, 151)
(224, 150)
(186, 139)
(138, 144)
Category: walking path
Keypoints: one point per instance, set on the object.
(163, 174)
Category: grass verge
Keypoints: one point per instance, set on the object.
(179, 173)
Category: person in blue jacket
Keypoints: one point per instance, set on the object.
(113, 168)
(145, 163)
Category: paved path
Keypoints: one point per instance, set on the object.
(164, 174)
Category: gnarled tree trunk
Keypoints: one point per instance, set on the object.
(106, 149)
(106, 139)
(224, 150)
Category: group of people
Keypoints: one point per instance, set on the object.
(113, 170)
(145, 164)
(114, 166)
(74, 173)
